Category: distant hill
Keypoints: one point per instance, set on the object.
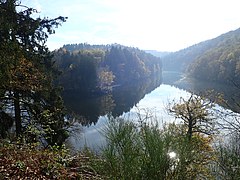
(213, 60)
(180, 60)
(160, 54)
(86, 46)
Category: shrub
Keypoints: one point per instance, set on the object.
(142, 151)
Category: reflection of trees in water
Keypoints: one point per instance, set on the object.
(128, 96)
(231, 93)
(88, 108)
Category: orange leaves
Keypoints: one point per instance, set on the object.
(26, 76)
(28, 162)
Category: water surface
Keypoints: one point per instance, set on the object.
(149, 96)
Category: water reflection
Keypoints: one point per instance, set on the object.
(125, 101)
(230, 92)
(155, 102)
(89, 108)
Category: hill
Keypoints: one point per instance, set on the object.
(213, 60)
(160, 54)
(221, 63)
(99, 67)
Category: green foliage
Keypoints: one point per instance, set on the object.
(228, 158)
(79, 69)
(220, 63)
(122, 151)
(141, 151)
(130, 64)
(213, 60)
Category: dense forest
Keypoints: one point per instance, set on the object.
(156, 53)
(97, 68)
(220, 63)
(213, 60)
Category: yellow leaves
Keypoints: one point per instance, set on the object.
(195, 114)
(25, 76)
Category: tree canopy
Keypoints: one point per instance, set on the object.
(27, 72)
(98, 67)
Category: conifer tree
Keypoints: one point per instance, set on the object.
(27, 72)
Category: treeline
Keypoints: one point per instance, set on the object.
(213, 60)
(97, 68)
(84, 46)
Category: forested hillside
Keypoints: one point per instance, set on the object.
(213, 60)
(156, 53)
(180, 60)
(96, 68)
(220, 63)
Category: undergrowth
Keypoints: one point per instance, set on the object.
(18, 161)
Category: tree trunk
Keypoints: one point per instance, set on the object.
(17, 110)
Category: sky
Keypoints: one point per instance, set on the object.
(163, 25)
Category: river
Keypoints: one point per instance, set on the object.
(151, 96)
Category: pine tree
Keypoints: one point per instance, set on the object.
(27, 72)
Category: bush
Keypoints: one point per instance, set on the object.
(28, 162)
(142, 151)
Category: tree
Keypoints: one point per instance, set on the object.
(195, 113)
(105, 79)
(27, 71)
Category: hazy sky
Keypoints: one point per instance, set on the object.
(165, 25)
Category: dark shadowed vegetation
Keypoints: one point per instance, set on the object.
(97, 68)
